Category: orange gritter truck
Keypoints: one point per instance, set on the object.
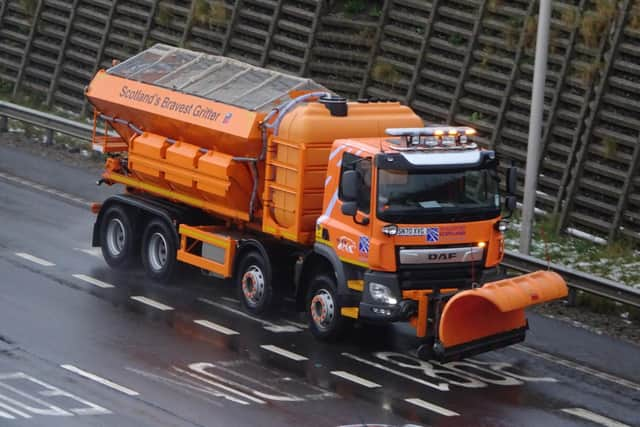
(356, 209)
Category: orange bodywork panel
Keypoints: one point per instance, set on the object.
(207, 247)
(299, 157)
(496, 307)
(180, 116)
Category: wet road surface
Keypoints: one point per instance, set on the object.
(81, 344)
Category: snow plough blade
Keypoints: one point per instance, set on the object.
(482, 319)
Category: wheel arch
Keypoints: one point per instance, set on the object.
(321, 258)
(141, 206)
(248, 245)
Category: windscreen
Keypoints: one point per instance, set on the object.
(407, 196)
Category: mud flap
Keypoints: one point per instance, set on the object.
(491, 317)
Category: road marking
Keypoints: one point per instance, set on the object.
(96, 252)
(231, 300)
(593, 417)
(152, 303)
(297, 324)
(432, 407)
(283, 352)
(440, 386)
(248, 383)
(10, 410)
(223, 387)
(185, 385)
(100, 380)
(573, 365)
(44, 188)
(216, 327)
(35, 259)
(93, 281)
(356, 379)
(269, 326)
(25, 390)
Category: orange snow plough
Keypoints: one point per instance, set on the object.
(493, 316)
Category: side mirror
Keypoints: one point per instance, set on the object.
(510, 205)
(349, 208)
(350, 181)
(512, 180)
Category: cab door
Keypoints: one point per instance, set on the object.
(349, 235)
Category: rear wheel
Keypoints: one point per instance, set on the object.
(159, 251)
(325, 320)
(254, 282)
(117, 239)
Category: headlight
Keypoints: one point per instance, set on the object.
(381, 293)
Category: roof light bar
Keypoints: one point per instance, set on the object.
(434, 138)
(430, 131)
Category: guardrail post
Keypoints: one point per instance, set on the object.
(572, 297)
(48, 137)
(4, 124)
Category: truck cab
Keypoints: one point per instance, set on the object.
(413, 218)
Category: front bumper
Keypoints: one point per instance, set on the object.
(408, 300)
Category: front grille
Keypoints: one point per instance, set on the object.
(441, 276)
(459, 275)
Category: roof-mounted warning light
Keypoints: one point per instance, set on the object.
(434, 138)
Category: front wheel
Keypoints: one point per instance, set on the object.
(325, 320)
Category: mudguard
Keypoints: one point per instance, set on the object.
(478, 320)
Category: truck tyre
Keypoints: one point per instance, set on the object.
(159, 251)
(117, 239)
(254, 283)
(325, 321)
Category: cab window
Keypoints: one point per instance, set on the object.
(363, 167)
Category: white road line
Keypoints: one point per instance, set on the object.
(44, 188)
(93, 281)
(100, 380)
(224, 387)
(432, 407)
(231, 300)
(152, 303)
(269, 326)
(96, 252)
(216, 327)
(35, 259)
(593, 417)
(573, 365)
(356, 379)
(296, 324)
(234, 311)
(440, 386)
(283, 352)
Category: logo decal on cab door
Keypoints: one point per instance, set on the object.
(347, 245)
(363, 247)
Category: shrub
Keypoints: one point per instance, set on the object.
(164, 15)
(569, 17)
(385, 72)
(29, 7)
(353, 7)
(596, 22)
